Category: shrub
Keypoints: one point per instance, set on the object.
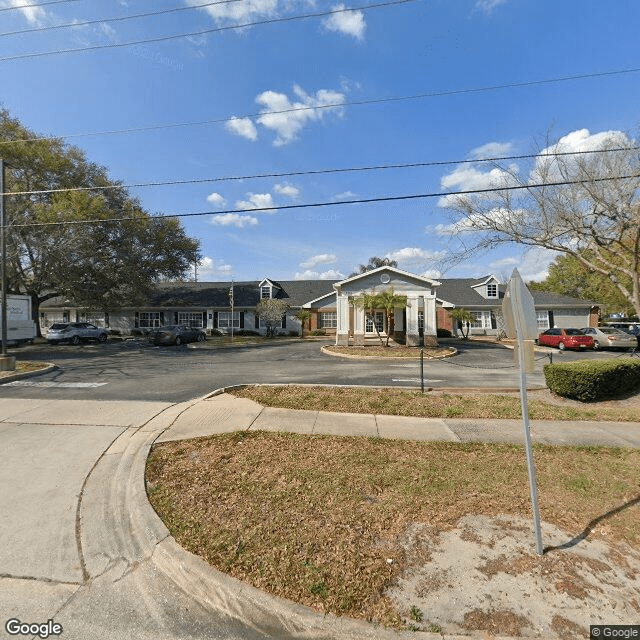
(246, 332)
(319, 332)
(215, 332)
(593, 380)
(443, 333)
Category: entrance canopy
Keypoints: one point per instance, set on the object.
(415, 321)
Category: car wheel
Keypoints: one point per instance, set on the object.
(102, 337)
(75, 340)
(596, 345)
(561, 346)
(178, 341)
(201, 337)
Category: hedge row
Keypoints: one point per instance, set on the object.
(593, 380)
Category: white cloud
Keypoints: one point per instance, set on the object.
(239, 12)
(287, 190)
(243, 127)
(331, 274)
(287, 117)
(579, 140)
(345, 195)
(434, 274)
(211, 267)
(256, 201)
(491, 150)
(468, 178)
(234, 220)
(415, 255)
(216, 199)
(35, 15)
(532, 264)
(488, 5)
(350, 23)
(322, 258)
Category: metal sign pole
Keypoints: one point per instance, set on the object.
(521, 322)
(3, 260)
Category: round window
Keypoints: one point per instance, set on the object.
(384, 278)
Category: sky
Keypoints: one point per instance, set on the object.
(189, 96)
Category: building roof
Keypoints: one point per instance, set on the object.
(460, 292)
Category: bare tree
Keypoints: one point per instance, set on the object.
(584, 205)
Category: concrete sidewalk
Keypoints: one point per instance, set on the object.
(225, 413)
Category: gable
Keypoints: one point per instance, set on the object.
(385, 278)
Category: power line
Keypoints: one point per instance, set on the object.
(179, 36)
(335, 170)
(31, 6)
(335, 105)
(116, 19)
(417, 196)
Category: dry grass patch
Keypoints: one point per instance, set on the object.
(25, 366)
(399, 402)
(396, 351)
(321, 519)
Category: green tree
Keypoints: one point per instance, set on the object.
(65, 235)
(569, 277)
(374, 263)
(304, 315)
(464, 318)
(388, 300)
(271, 312)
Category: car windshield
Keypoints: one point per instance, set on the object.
(58, 327)
(574, 332)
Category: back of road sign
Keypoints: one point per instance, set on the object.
(519, 310)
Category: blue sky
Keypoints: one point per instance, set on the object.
(230, 81)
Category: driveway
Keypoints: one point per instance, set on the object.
(138, 371)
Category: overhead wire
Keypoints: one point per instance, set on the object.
(310, 172)
(334, 105)
(137, 16)
(179, 36)
(274, 209)
(39, 4)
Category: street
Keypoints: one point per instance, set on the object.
(136, 370)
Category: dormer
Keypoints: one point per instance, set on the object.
(488, 288)
(267, 289)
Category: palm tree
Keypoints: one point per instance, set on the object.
(463, 316)
(304, 315)
(388, 300)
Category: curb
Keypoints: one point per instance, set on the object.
(325, 350)
(27, 374)
(212, 589)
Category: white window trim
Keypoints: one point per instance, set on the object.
(224, 320)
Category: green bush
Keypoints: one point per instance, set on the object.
(443, 333)
(589, 380)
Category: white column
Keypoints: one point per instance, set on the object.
(358, 328)
(342, 309)
(412, 335)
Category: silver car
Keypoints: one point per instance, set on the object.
(75, 332)
(610, 338)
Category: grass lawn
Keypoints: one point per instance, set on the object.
(400, 402)
(321, 519)
(24, 366)
(397, 351)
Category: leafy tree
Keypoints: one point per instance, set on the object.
(271, 312)
(304, 315)
(569, 277)
(585, 206)
(387, 300)
(463, 317)
(65, 237)
(374, 263)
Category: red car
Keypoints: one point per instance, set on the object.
(565, 339)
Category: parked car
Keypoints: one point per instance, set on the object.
(176, 334)
(632, 328)
(609, 337)
(75, 332)
(565, 339)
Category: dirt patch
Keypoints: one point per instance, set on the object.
(484, 575)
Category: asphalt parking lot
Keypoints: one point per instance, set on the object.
(136, 370)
